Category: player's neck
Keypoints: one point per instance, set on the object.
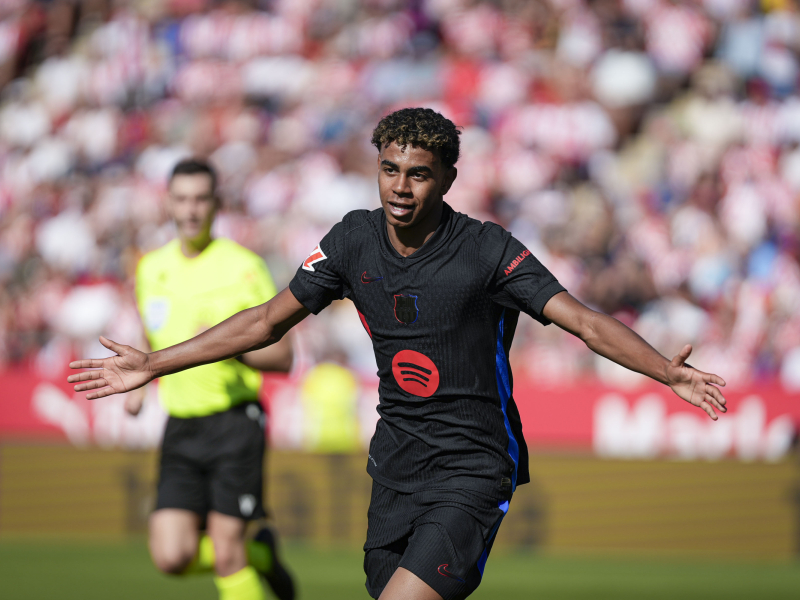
(407, 240)
(193, 247)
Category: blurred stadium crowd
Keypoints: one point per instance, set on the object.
(647, 151)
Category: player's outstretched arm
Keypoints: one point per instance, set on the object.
(251, 329)
(610, 338)
(276, 358)
(134, 400)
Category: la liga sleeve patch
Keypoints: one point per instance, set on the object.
(316, 255)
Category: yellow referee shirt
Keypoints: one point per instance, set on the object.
(179, 297)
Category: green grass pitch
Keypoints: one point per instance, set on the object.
(59, 570)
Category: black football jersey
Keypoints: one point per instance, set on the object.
(441, 322)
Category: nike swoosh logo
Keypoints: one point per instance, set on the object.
(443, 571)
(365, 279)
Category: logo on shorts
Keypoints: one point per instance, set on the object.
(254, 413)
(247, 504)
(443, 571)
(415, 373)
(316, 255)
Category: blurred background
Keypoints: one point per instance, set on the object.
(646, 151)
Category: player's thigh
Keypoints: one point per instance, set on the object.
(381, 563)
(173, 537)
(227, 534)
(445, 552)
(236, 481)
(404, 585)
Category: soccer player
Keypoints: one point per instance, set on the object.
(439, 293)
(213, 450)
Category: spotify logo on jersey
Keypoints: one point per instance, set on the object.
(415, 373)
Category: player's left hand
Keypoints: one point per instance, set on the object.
(695, 386)
(129, 370)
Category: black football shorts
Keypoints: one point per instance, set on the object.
(443, 536)
(215, 463)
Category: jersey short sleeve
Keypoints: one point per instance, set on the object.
(515, 278)
(319, 280)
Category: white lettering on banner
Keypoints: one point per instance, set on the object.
(644, 430)
(620, 432)
(103, 422)
(53, 406)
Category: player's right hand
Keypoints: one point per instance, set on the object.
(129, 370)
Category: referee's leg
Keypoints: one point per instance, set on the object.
(228, 535)
(181, 503)
(173, 538)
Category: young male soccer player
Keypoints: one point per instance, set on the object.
(439, 294)
(213, 449)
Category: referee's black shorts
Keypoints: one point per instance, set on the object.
(215, 463)
(443, 536)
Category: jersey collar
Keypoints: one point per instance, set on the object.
(441, 233)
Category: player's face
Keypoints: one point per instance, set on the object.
(192, 204)
(412, 182)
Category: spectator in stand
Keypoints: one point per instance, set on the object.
(665, 132)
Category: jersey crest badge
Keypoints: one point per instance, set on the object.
(316, 255)
(156, 313)
(405, 308)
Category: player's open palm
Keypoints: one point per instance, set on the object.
(129, 370)
(694, 386)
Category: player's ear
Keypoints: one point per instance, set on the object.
(449, 177)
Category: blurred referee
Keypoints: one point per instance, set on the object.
(213, 451)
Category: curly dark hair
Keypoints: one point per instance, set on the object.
(420, 127)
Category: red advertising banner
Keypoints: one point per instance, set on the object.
(642, 422)
(650, 421)
(32, 407)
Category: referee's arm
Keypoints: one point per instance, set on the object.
(609, 338)
(246, 331)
